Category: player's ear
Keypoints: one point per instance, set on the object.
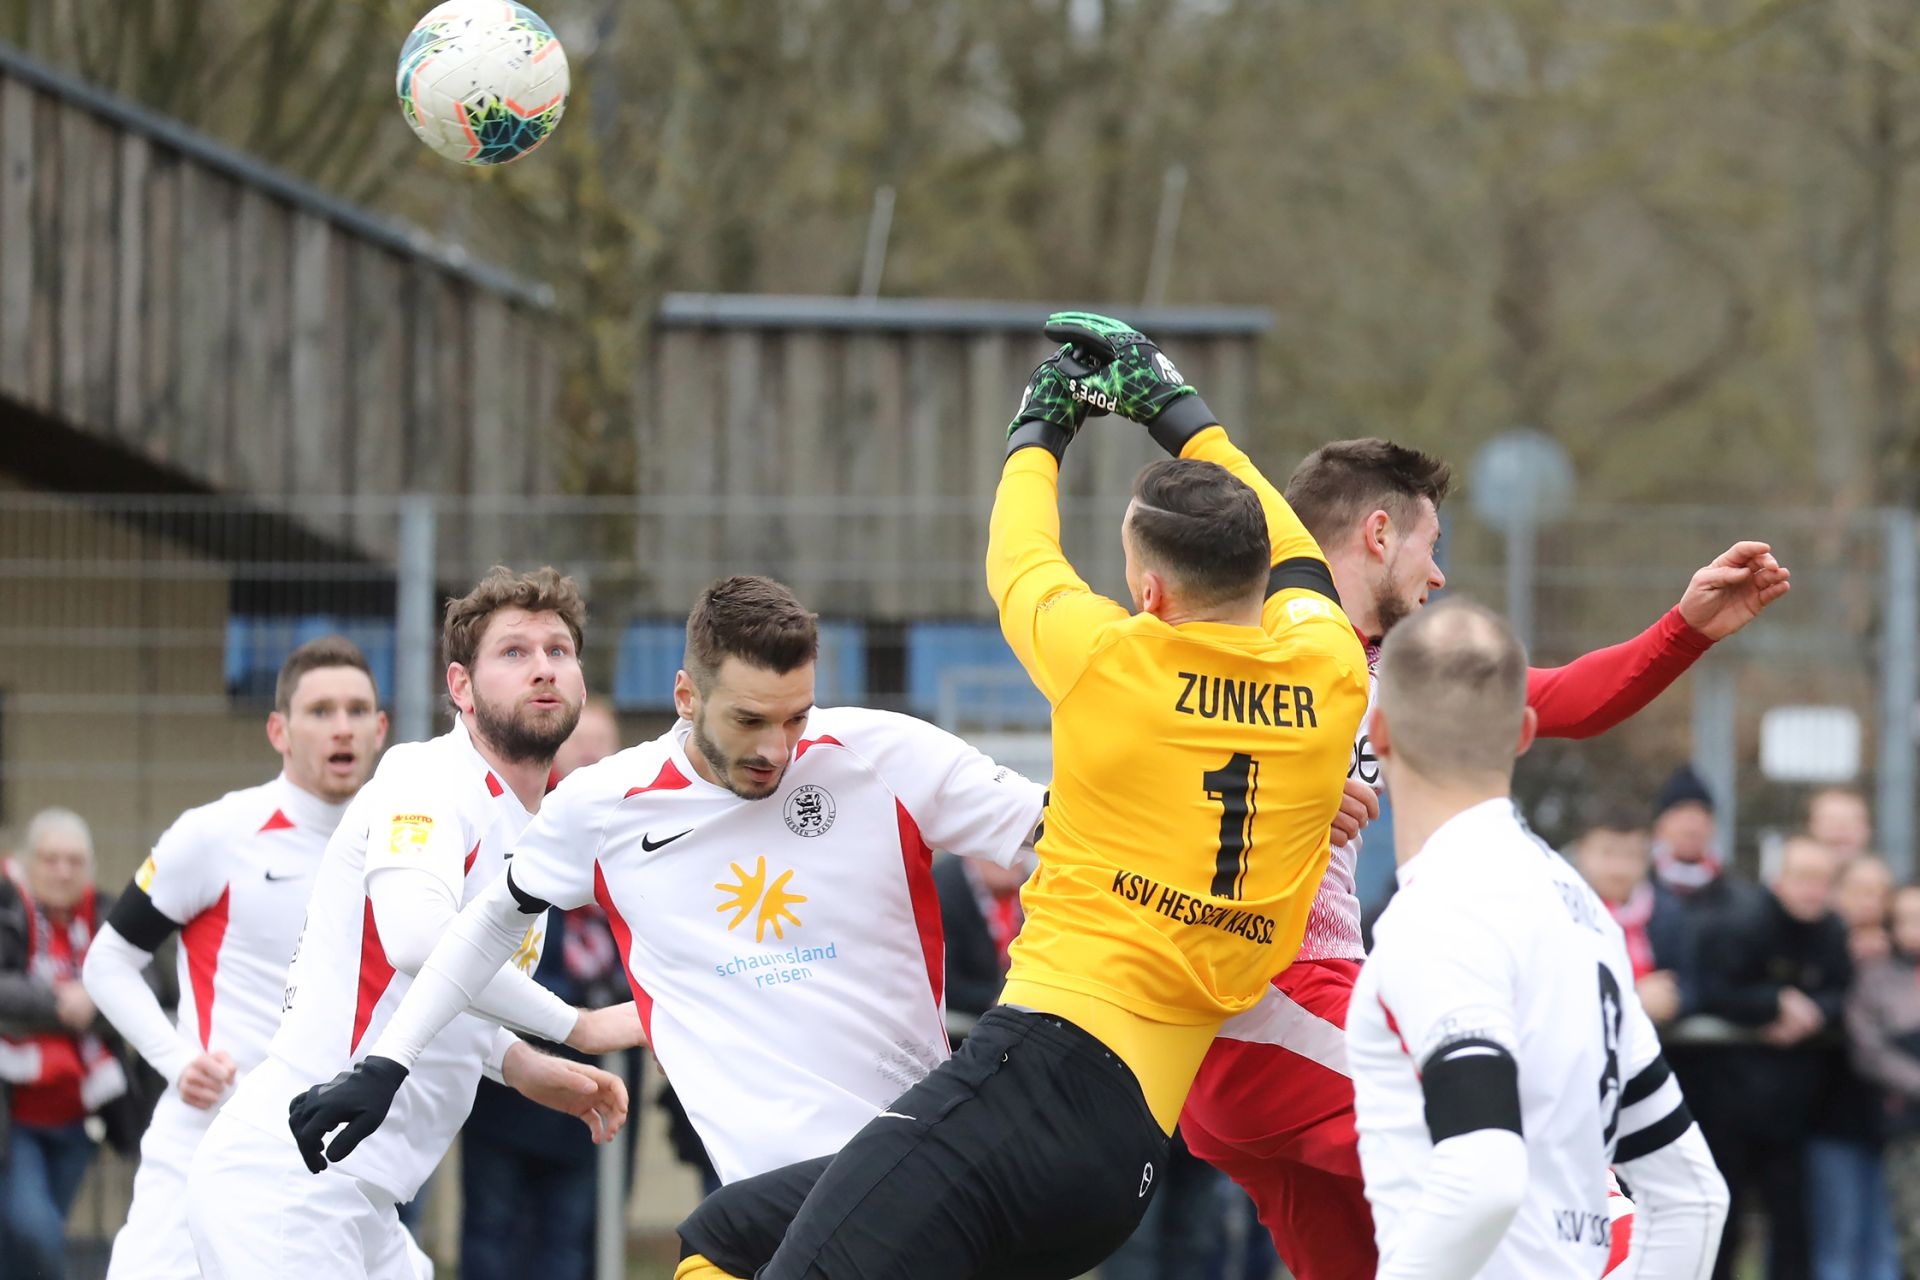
(1529, 730)
(379, 730)
(686, 698)
(460, 686)
(1374, 532)
(1153, 593)
(277, 731)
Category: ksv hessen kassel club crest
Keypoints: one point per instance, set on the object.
(809, 811)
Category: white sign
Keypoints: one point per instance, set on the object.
(1810, 744)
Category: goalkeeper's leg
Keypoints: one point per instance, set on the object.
(734, 1231)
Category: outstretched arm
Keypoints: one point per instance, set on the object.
(1597, 691)
(1047, 612)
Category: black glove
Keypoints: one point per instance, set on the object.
(1050, 411)
(1132, 376)
(358, 1099)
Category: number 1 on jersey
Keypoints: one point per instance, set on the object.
(1233, 788)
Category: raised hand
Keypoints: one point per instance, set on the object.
(1727, 594)
(1050, 415)
(1130, 376)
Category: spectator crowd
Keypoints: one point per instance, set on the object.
(1791, 1011)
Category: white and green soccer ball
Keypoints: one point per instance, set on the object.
(483, 81)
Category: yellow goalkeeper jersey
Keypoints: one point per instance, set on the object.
(1197, 770)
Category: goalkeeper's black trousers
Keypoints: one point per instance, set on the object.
(1030, 1155)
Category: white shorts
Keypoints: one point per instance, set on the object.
(255, 1211)
(155, 1243)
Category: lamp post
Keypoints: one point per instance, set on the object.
(1520, 480)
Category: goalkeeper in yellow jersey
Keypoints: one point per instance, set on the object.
(1199, 746)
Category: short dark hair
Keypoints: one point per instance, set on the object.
(317, 655)
(755, 619)
(1344, 480)
(1204, 527)
(1453, 690)
(544, 590)
(1612, 813)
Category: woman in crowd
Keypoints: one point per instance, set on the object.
(54, 1069)
(1849, 1218)
(1883, 1024)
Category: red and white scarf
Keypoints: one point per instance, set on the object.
(1682, 877)
(58, 1060)
(1632, 917)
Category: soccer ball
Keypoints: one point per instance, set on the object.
(483, 81)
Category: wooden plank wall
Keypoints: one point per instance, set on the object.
(249, 343)
(859, 466)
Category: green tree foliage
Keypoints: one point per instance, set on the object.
(1673, 232)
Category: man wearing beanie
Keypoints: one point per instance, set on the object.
(1686, 858)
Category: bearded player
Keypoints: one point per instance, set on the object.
(1272, 1105)
(429, 831)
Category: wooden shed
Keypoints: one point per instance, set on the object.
(222, 327)
(849, 446)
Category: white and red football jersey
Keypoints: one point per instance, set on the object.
(435, 806)
(235, 875)
(786, 953)
(1333, 922)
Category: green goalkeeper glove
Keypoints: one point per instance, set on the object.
(1050, 413)
(1130, 376)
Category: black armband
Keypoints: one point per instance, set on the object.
(135, 918)
(529, 905)
(1304, 572)
(1470, 1085)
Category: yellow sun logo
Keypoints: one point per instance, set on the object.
(775, 903)
(527, 954)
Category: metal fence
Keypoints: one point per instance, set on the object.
(139, 637)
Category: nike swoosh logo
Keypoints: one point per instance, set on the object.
(276, 879)
(648, 844)
(896, 1115)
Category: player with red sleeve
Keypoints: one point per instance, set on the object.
(1273, 1103)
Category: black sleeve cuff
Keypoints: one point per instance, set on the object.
(529, 905)
(1304, 572)
(1036, 434)
(1180, 422)
(135, 918)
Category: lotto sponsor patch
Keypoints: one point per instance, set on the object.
(408, 833)
(144, 876)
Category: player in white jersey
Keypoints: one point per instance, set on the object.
(427, 832)
(1272, 1105)
(766, 866)
(231, 878)
(1500, 1056)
